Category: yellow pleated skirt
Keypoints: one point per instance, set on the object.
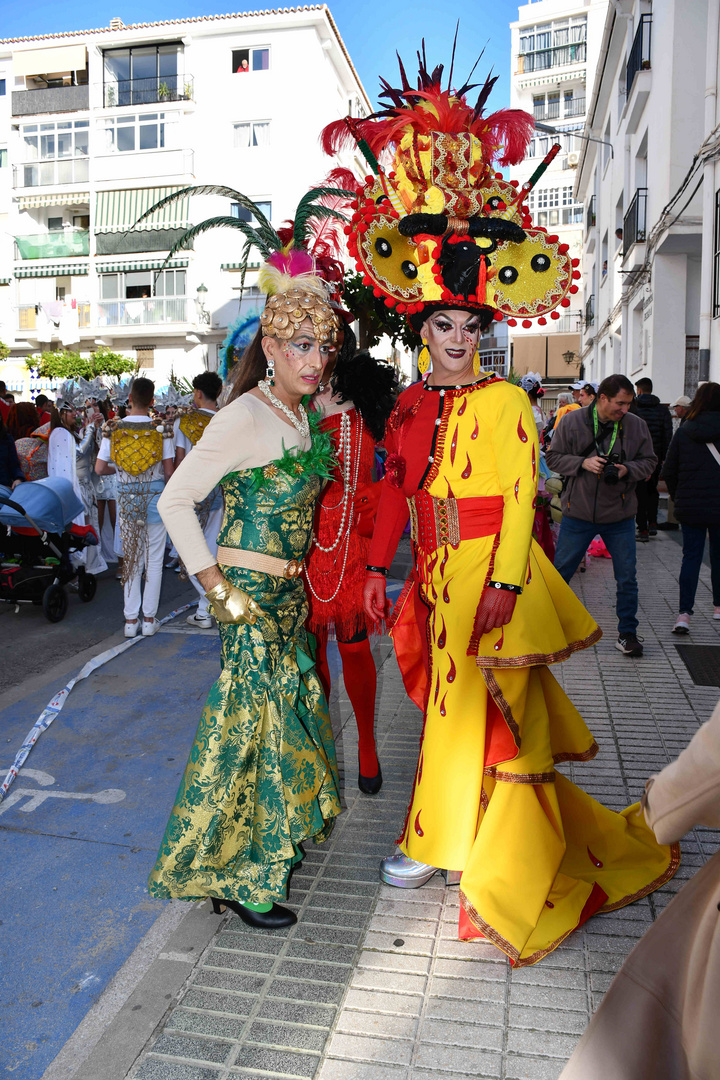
(538, 855)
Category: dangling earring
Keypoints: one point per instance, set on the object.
(476, 363)
(321, 387)
(270, 371)
(423, 358)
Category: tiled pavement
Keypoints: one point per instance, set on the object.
(372, 983)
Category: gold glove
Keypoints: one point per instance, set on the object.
(232, 605)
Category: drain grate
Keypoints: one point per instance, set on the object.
(703, 663)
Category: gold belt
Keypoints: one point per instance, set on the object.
(255, 560)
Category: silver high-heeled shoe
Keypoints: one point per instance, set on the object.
(406, 873)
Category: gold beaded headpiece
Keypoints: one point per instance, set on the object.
(295, 293)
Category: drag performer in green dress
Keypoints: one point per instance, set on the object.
(262, 775)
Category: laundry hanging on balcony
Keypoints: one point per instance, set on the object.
(117, 211)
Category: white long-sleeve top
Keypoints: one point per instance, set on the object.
(245, 434)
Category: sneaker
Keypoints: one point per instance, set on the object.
(131, 629)
(643, 537)
(716, 613)
(150, 628)
(652, 529)
(204, 622)
(682, 624)
(629, 644)
(172, 564)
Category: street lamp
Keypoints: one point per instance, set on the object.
(569, 357)
(203, 313)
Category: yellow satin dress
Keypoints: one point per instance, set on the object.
(538, 855)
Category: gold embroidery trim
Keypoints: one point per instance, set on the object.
(537, 659)
(665, 876)
(499, 699)
(520, 778)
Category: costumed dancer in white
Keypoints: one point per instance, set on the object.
(141, 452)
(70, 456)
(188, 431)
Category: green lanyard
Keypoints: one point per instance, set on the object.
(595, 430)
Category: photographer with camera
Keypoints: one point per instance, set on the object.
(603, 451)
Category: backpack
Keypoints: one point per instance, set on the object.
(32, 452)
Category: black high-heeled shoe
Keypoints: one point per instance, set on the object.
(369, 785)
(274, 919)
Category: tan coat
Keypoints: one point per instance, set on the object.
(660, 1019)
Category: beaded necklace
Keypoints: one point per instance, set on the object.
(300, 423)
(347, 501)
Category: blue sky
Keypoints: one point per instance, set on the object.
(372, 30)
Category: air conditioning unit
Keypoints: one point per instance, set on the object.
(572, 159)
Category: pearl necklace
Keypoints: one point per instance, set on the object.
(350, 480)
(300, 423)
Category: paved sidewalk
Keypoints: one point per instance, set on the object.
(372, 983)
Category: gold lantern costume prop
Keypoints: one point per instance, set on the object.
(536, 856)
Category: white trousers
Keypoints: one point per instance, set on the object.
(210, 532)
(153, 577)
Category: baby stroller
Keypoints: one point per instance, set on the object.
(36, 543)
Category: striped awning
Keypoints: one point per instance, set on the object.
(5, 280)
(117, 211)
(238, 266)
(76, 198)
(57, 270)
(146, 264)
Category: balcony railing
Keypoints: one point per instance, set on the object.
(639, 59)
(494, 360)
(53, 245)
(575, 106)
(142, 312)
(26, 318)
(635, 221)
(50, 99)
(559, 56)
(590, 217)
(590, 310)
(45, 173)
(152, 91)
(549, 111)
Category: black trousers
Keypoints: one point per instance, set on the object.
(648, 499)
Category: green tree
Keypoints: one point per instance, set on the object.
(63, 364)
(4, 351)
(374, 317)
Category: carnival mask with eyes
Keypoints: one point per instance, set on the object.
(493, 262)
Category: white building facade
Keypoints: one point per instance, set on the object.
(96, 126)
(651, 189)
(554, 50)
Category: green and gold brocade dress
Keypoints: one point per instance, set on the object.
(262, 773)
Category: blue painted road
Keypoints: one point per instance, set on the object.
(79, 830)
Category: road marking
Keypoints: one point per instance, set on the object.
(37, 798)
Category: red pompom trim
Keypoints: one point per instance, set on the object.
(498, 316)
(512, 322)
(554, 314)
(565, 302)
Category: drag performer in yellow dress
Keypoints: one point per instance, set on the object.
(446, 240)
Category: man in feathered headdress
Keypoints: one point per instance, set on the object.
(443, 238)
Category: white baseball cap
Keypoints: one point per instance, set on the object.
(577, 385)
(682, 400)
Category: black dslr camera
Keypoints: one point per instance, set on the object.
(610, 473)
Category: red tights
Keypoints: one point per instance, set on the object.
(360, 682)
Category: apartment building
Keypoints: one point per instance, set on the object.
(651, 186)
(554, 50)
(97, 125)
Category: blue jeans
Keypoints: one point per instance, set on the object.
(619, 539)
(693, 550)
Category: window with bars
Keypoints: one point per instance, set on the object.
(552, 44)
(251, 133)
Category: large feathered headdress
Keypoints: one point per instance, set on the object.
(440, 227)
